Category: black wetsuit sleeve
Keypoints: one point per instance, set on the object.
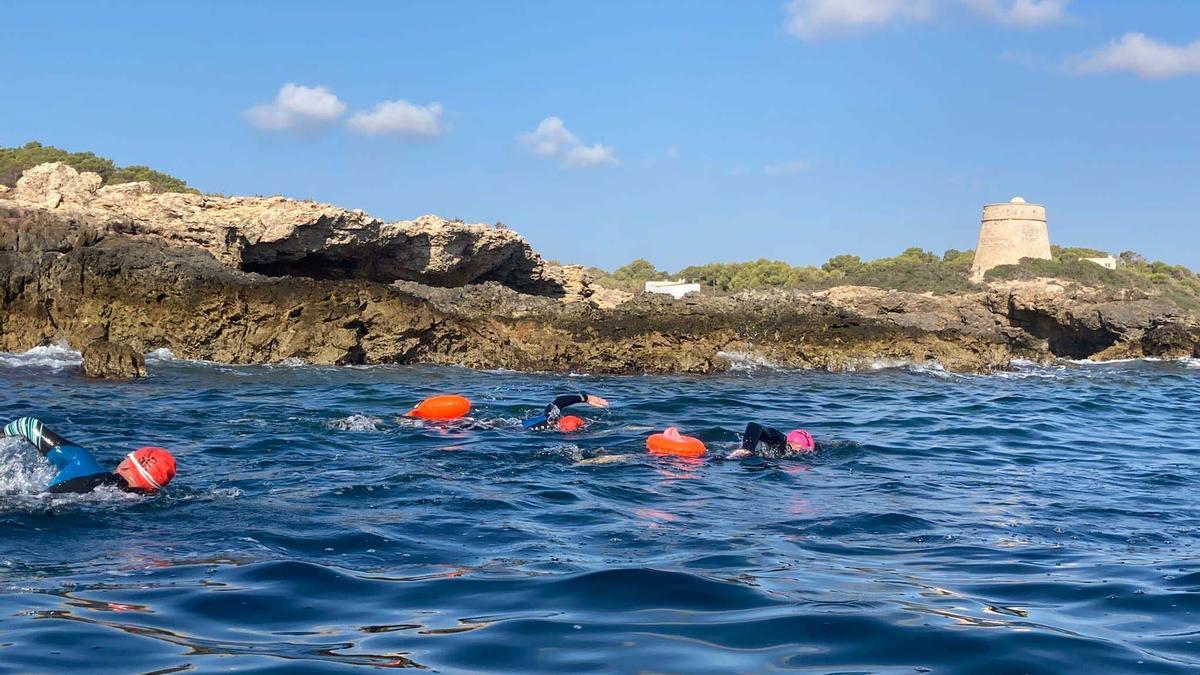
(85, 484)
(38, 434)
(562, 401)
(773, 441)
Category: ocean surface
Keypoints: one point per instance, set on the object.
(1040, 521)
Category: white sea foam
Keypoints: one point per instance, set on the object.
(55, 357)
(22, 471)
(1046, 373)
(747, 361)
(160, 355)
(355, 422)
(1090, 362)
(930, 367)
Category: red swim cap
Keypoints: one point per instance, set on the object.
(570, 423)
(147, 468)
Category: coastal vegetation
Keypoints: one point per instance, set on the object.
(914, 270)
(920, 271)
(1134, 272)
(13, 161)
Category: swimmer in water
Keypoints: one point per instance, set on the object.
(762, 441)
(143, 471)
(552, 415)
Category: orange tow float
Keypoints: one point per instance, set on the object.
(570, 423)
(447, 407)
(671, 442)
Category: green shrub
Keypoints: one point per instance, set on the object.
(1173, 282)
(919, 271)
(14, 161)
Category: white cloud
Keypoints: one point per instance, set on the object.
(1146, 57)
(1022, 13)
(814, 19)
(297, 109)
(399, 118)
(583, 156)
(785, 168)
(553, 140)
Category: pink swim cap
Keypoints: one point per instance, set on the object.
(801, 439)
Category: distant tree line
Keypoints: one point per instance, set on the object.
(914, 270)
(14, 161)
(919, 271)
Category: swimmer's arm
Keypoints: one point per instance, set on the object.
(564, 400)
(36, 433)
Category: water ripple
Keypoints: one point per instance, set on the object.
(1043, 520)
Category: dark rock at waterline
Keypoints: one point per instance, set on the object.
(111, 361)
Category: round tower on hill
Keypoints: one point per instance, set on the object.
(1008, 233)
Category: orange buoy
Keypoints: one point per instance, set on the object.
(570, 423)
(448, 407)
(671, 442)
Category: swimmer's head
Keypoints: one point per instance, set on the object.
(147, 469)
(799, 440)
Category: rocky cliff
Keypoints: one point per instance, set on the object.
(253, 280)
(279, 236)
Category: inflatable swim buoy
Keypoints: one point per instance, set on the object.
(671, 442)
(449, 407)
(570, 423)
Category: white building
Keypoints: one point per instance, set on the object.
(676, 289)
(1108, 263)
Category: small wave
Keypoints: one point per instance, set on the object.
(930, 367)
(580, 455)
(21, 470)
(160, 355)
(747, 361)
(355, 422)
(1023, 368)
(56, 357)
(1109, 362)
(102, 498)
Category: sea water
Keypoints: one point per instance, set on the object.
(1043, 520)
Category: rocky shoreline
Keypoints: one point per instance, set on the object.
(261, 280)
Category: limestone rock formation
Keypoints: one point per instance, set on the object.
(56, 184)
(279, 236)
(112, 361)
(243, 280)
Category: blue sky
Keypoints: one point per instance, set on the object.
(682, 132)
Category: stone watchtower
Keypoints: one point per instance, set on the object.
(1010, 232)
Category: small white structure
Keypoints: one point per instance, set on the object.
(1109, 263)
(676, 289)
